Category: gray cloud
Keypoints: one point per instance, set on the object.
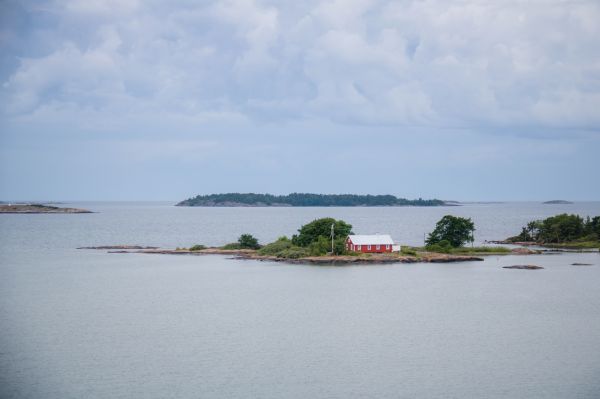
(467, 63)
(266, 90)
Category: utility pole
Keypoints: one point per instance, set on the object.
(332, 235)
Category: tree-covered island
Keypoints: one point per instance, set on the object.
(304, 199)
(564, 230)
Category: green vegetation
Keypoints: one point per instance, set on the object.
(316, 236)
(313, 239)
(450, 232)
(480, 250)
(562, 229)
(311, 232)
(44, 206)
(445, 248)
(196, 247)
(304, 199)
(245, 241)
(283, 248)
(575, 245)
(407, 251)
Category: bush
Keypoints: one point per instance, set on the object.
(196, 247)
(274, 248)
(443, 246)
(408, 252)
(293, 253)
(323, 246)
(232, 245)
(247, 241)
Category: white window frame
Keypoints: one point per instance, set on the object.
(358, 247)
(378, 247)
(387, 246)
(368, 247)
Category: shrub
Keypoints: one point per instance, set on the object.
(196, 247)
(443, 246)
(293, 253)
(232, 245)
(274, 248)
(323, 246)
(408, 252)
(247, 241)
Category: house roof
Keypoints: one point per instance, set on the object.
(375, 239)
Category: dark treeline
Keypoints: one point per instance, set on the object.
(301, 199)
(561, 228)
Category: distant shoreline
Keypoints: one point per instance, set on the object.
(306, 200)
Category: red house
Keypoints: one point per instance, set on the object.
(371, 243)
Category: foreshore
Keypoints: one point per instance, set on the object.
(250, 254)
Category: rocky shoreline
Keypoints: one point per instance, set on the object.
(38, 208)
(250, 254)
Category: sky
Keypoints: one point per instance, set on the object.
(163, 100)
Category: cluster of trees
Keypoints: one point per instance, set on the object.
(313, 239)
(304, 199)
(450, 232)
(560, 229)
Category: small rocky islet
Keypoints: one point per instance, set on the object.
(38, 208)
(523, 267)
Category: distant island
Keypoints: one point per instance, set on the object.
(557, 202)
(304, 199)
(38, 208)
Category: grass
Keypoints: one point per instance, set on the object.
(196, 247)
(480, 250)
(413, 251)
(232, 245)
(574, 245)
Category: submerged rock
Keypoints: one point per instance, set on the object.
(523, 267)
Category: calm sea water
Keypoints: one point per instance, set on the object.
(87, 324)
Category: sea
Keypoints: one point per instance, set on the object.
(78, 323)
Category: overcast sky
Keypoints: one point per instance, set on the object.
(466, 100)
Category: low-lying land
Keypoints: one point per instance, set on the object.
(38, 208)
(423, 257)
(305, 199)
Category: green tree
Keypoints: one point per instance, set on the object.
(455, 230)
(561, 228)
(247, 241)
(311, 232)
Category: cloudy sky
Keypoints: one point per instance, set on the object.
(467, 100)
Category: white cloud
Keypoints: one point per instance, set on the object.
(474, 64)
